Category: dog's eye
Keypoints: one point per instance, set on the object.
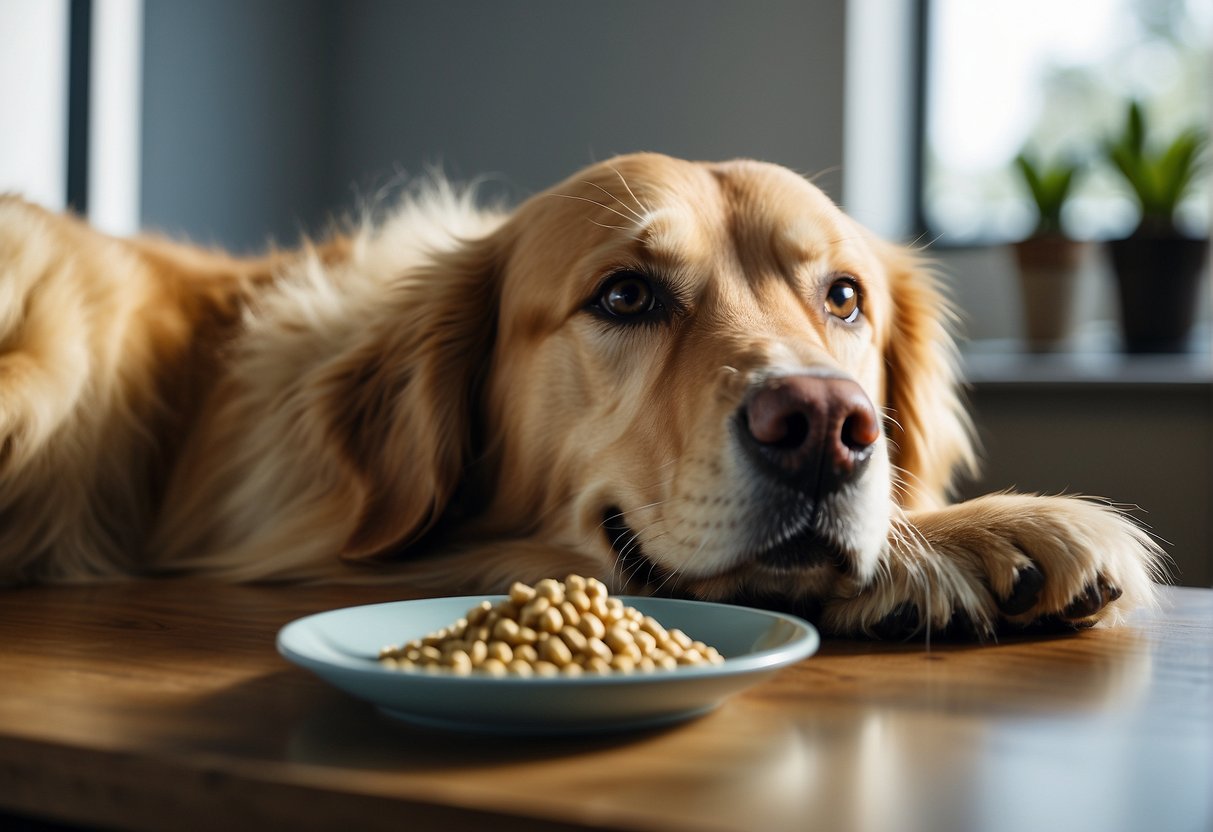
(627, 294)
(842, 300)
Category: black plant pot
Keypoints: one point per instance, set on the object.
(1159, 279)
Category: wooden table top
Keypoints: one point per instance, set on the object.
(164, 705)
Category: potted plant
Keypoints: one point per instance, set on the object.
(1048, 260)
(1157, 267)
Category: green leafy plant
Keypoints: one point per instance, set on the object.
(1159, 176)
(1049, 187)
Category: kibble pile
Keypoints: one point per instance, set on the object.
(552, 629)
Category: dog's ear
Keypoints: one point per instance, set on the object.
(406, 395)
(929, 428)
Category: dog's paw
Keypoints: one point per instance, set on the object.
(1006, 563)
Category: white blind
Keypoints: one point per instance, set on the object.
(33, 99)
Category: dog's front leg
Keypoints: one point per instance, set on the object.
(1003, 563)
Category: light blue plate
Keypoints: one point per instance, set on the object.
(342, 646)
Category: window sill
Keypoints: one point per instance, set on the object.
(1092, 359)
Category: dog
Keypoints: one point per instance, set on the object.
(697, 379)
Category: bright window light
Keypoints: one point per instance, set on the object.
(33, 98)
(1054, 76)
(115, 119)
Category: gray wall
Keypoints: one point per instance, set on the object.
(532, 90)
(236, 118)
(262, 116)
(1143, 446)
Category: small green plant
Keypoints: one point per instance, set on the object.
(1049, 187)
(1159, 176)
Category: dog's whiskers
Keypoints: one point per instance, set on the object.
(673, 571)
(608, 225)
(635, 569)
(886, 414)
(914, 546)
(634, 544)
(624, 553)
(568, 500)
(906, 482)
(824, 172)
(639, 217)
(617, 213)
(909, 532)
(621, 514)
(915, 242)
(672, 577)
(644, 208)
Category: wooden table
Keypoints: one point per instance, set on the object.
(165, 706)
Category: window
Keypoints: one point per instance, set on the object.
(70, 72)
(33, 95)
(1053, 76)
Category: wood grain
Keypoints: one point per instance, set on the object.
(164, 705)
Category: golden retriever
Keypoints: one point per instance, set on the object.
(687, 378)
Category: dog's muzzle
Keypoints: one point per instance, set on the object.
(806, 439)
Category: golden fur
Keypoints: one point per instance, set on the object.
(437, 398)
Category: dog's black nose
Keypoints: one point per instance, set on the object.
(815, 433)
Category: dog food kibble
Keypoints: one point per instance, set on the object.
(551, 629)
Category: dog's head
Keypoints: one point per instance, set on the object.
(705, 376)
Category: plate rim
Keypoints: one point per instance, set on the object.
(805, 644)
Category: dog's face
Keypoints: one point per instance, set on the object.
(702, 376)
(689, 376)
